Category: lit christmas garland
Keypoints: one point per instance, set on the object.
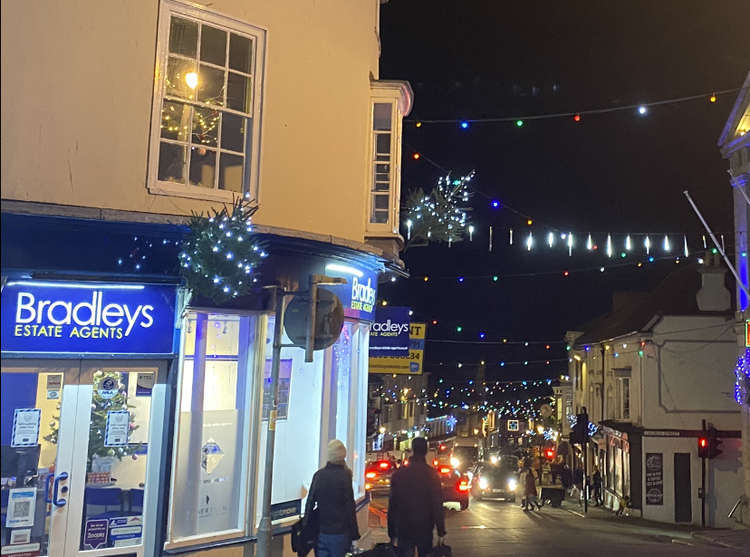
(742, 379)
(440, 215)
(220, 257)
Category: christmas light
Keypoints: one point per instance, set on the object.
(495, 278)
(577, 118)
(642, 110)
(712, 98)
(495, 204)
(551, 239)
(416, 156)
(464, 124)
(609, 245)
(471, 232)
(418, 124)
(519, 123)
(529, 242)
(685, 246)
(667, 247)
(589, 243)
(570, 244)
(647, 244)
(628, 243)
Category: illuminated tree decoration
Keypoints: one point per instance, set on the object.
(742, 379)
(440, 215)
(220, 255)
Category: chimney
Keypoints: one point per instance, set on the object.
(713, 294)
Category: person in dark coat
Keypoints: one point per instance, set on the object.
(566, 476)
(530, 491)
(332, 497)
(416, 505)
(596, 485)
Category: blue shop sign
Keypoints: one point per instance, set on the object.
(360, 292)
(80, 317)
(389, 333)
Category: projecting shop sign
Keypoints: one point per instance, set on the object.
(405, 365)
(389, 333)
(87, 317)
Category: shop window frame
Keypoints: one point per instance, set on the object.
(251, 424)
(252, 144)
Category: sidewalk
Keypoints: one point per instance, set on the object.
(735, 538)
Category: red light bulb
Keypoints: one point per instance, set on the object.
(577, 118)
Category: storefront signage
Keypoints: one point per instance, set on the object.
(95, 533)
(25, 427)
(389, 333)
(654, 479)
(405, 365)
(117, 428)
(512, 425)
(360, 292)
(125, 530)
(87, 318)
(280, 511)
(21, 507)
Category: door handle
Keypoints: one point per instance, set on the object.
(55, 501)
(47, 485)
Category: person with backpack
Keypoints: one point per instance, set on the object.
(416, 505)
(330, 503)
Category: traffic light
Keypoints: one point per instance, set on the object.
(713, 443)
(703, 446)
(549, 454)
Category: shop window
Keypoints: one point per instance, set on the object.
(211, 489)
(207, 104)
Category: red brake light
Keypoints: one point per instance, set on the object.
(370, 475)
(445, 470)
(442, 447)
(384, 465)
(463, 485)
(435, 462)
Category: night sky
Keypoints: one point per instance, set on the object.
(616, 172)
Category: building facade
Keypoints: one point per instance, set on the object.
(734, 144)
(135, 412)
(648, 376)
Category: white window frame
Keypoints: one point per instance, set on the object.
(399, 95)
(258, 36)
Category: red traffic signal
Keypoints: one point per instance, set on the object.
(549, 454)
(703, 447)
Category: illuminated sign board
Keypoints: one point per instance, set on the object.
(406, 365)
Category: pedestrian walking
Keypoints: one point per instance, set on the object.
(577, 489)
(597, 486)
(331, 499)
(530, 491)
(416, 505)
(566, 476)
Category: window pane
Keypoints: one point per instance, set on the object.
(117, 452)
(379, 217)
(171, 162)
(381, 116)
(183, 37)
(240, 53)
(231, 172)
(205, 126)
(213, 45)
(202, 167)
(233, 132)
(174, 121)
(383, 143)
(211, 85)
(210, 474)
(382, 185)
(381, 202)
(181, 78)
(238, 92)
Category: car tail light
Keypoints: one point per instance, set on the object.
(445, 470)
(384, 465)
(370, 475)
(435, 463)
(463, 485)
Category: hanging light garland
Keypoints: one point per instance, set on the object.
(742, 378)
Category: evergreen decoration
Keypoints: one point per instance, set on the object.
(100, 406)
(220, 255)
(440, 215)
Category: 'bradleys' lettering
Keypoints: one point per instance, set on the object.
(388, 328)
(363, 293)
(84, 314)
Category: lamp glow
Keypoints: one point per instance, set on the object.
(191, 78)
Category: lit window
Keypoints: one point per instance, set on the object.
(390, 102)
(206, 105)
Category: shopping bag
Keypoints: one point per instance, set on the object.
(441, 550)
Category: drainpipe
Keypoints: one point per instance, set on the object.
(603, 380)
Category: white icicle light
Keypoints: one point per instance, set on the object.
(647, 243)
(589, 243)
(667, 247)
(570, 243)
(551, 239)
(409, 224)
(471, 232)
(628, 243)
(685, 246)
(529, 241)
(609, 245)
(511, 236)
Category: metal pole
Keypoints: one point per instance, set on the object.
(703, 485)
(585, 485)
(604, 358)
(264, 529)
(741, 284)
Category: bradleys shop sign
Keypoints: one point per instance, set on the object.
(359, 294)
(87, 317)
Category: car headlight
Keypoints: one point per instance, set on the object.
(483, 483)
(455, 462)
(512, 484)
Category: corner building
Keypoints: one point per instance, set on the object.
(134, 415)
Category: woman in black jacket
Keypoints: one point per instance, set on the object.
(332, 498)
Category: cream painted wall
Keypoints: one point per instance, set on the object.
(76, 107)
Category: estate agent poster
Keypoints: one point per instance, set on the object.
(654, 479)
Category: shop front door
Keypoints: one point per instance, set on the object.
(75, 442)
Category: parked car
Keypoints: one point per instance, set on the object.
(455, 486)
(496, 481)
(378, 476)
